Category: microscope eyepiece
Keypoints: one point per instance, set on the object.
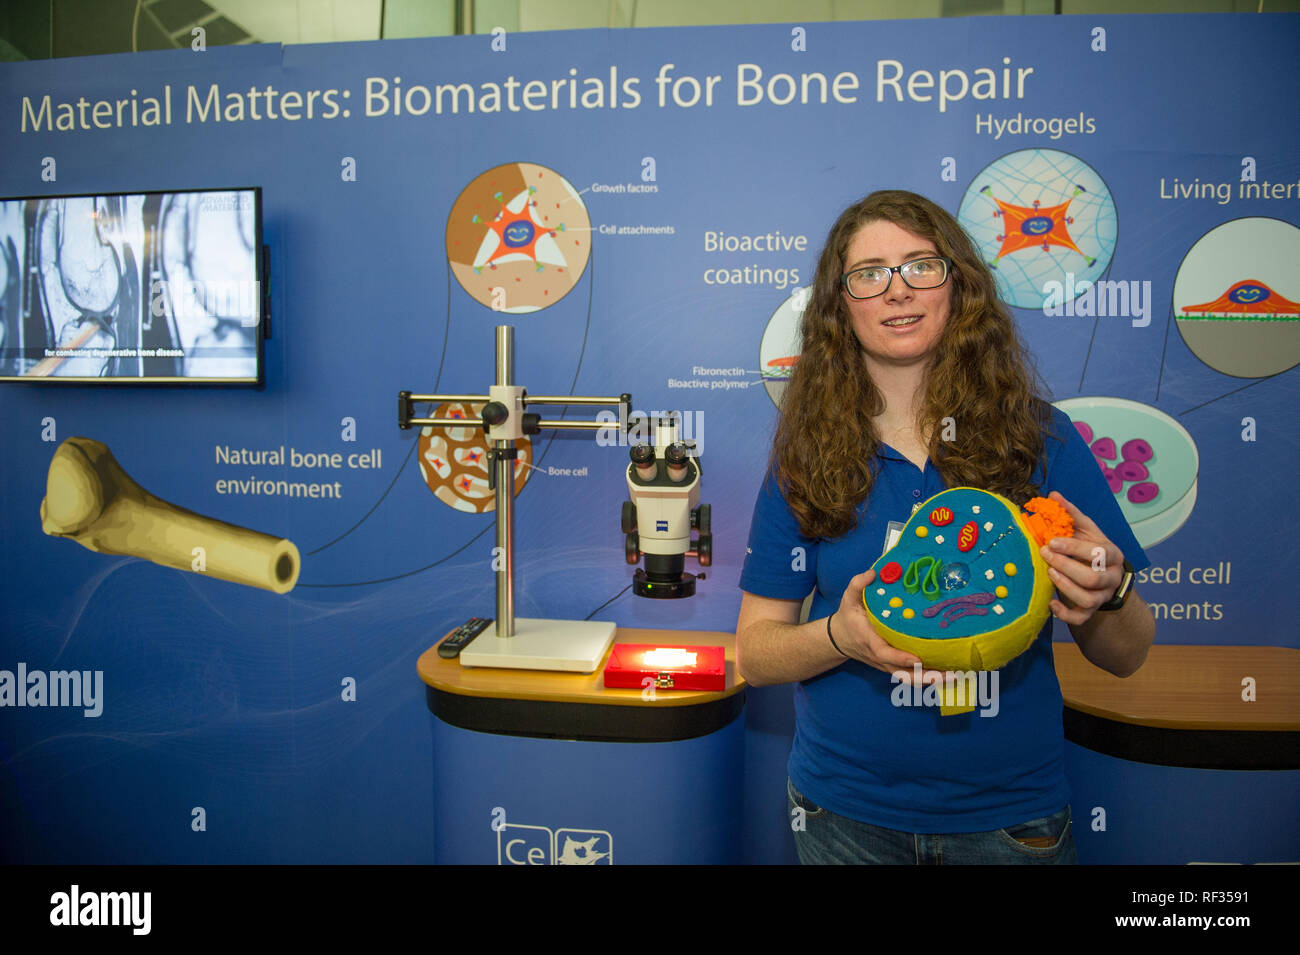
(676, 455)
(642, 454)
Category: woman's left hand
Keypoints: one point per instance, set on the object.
(1086, 568)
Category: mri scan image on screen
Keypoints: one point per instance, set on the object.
(144, 287)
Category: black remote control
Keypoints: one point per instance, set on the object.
(460, 637)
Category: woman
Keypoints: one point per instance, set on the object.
(912, 379)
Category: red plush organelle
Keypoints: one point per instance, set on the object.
(967, 536)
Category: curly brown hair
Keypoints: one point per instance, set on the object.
(981, 375)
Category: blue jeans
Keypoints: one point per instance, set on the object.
(829, 839)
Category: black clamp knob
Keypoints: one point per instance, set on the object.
(494, 413)
(404, 410)
(508, 453)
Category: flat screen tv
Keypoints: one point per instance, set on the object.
(125, 288)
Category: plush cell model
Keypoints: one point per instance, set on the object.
(964, 587)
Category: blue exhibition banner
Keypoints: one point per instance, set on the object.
(645, 207)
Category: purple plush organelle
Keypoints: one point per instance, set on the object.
(1113, 480)
(968, 600)
(1137, 450)
(963, 612)
(1084, 431)
(1144, 492)
(1132, 471)
(1104, 448)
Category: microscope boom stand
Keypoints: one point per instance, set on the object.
(524, 643)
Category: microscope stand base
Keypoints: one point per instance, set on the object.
(574, 646)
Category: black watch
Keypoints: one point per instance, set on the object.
(1122, 591)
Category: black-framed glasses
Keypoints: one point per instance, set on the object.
(919, 274)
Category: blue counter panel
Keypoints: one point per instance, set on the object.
(519, 801)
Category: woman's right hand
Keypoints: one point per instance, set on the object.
(854, 635)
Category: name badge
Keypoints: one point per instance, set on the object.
(892, 533)
(894, 530)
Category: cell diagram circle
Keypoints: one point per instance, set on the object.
(1150, 461)
(454, 461)
(1237, 297)
(518, 238)
(1040, 216)
(781, 344)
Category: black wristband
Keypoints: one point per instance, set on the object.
(832, 639)
(1116, 602)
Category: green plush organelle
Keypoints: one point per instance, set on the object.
(923, 575)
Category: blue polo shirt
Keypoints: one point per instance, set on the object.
(908, 767)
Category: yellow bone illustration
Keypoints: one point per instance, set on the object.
(90, 499)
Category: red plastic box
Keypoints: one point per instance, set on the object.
(671, 668)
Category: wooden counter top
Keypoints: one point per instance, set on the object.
(1184, 707)
(578, 705)
(1189, 687)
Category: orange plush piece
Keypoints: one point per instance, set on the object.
(1047, 519)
